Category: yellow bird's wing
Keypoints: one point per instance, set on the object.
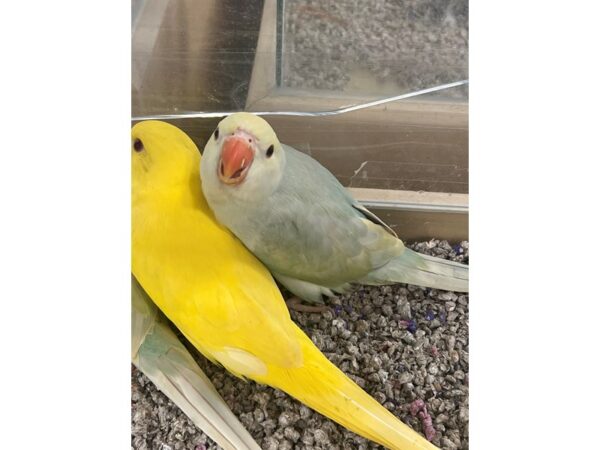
(220, 296)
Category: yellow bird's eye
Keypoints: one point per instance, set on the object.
(216, 134)
(138, 145)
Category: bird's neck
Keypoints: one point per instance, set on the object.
(186, 193)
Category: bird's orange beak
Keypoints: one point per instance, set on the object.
(236, 159)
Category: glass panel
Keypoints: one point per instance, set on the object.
(190, 55)
(303, 55)
(374, 48)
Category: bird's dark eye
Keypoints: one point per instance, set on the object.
(270, 151)
(138, 145)
(216, 134)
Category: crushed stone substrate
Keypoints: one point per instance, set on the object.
(400, 343)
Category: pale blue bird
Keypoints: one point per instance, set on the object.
(295, 216)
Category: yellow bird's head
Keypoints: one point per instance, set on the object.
(162, 157)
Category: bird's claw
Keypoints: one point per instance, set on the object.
(296, 304)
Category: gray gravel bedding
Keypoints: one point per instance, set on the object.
(402, 344)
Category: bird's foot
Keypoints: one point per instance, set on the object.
(296, 304)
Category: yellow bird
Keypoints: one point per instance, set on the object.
(223, 299)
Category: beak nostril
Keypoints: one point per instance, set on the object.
(237, 173)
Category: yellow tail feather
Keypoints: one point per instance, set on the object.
(322, 386)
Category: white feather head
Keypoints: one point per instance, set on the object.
(263, 175)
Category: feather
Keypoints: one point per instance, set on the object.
(422, 270)
(158, 353)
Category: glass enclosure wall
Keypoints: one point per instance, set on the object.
(374, 48)
(316, 55)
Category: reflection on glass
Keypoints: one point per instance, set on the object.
(303, 55)
(378, 47)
